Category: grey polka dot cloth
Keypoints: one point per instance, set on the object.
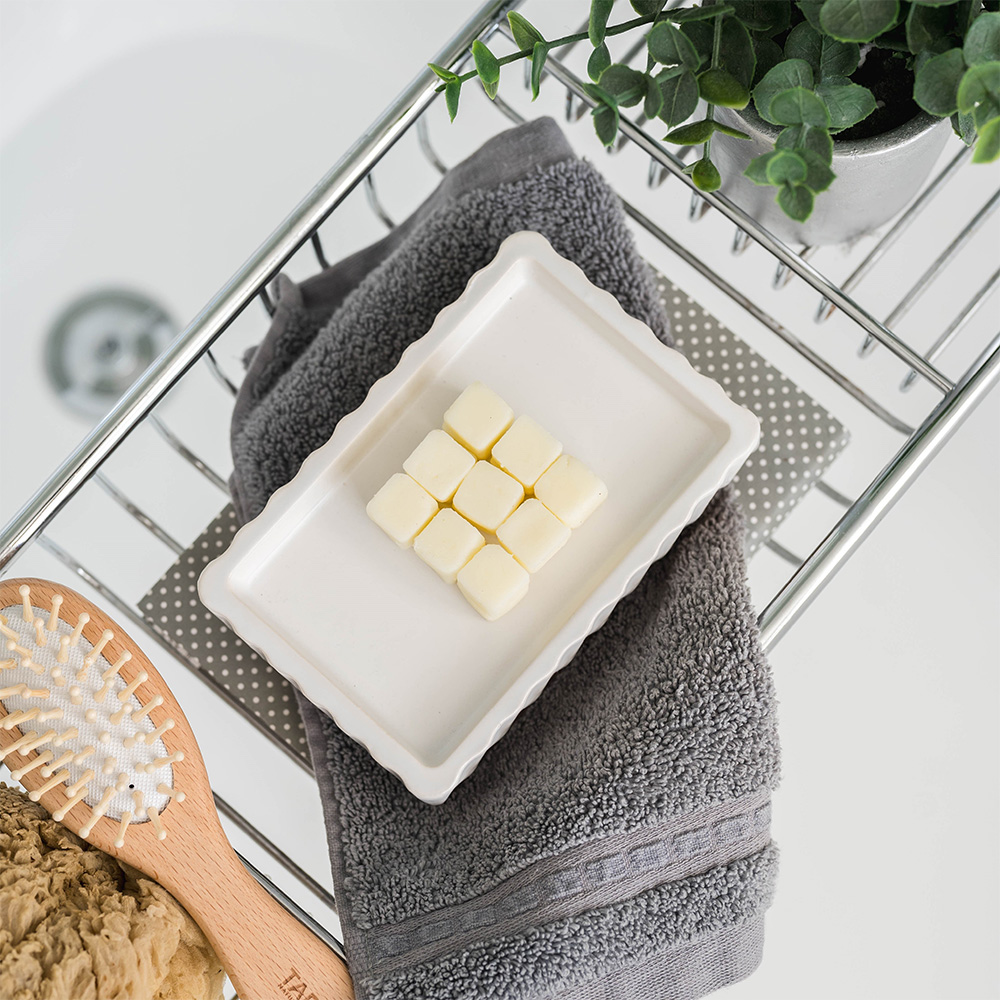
(799, 440)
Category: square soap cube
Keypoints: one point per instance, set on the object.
(493, 582)
(570, 490)
(487, 496)
(448, 543)
(401, 509)
(526, 451)
(532, 535)
(439, 463)
(477, 419)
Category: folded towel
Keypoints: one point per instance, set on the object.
(615, 842)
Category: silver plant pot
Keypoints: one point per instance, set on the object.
(876, 177)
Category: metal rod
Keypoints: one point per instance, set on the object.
(887, 487)
(783, 274)
(833, 494)
(230, 301)
(143, 518)
(189, 456)
(740, 241)
(424, 141)
(766, 239)
(139, 622)
(374, 204)
(910, 299)
(956, 326)
(766, 319)
(265, 299)
(903, 223)
(272, 849)
(289, 904)
(317, 246)
(778, 549)
(220, 376)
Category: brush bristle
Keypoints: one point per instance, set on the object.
(53, 673)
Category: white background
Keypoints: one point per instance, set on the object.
(155, 145)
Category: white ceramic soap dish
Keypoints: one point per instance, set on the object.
(367, 631)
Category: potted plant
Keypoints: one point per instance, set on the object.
(795, 94)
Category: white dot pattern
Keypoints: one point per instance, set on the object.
(172, 607)
(799, 439)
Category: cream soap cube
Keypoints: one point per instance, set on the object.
(448, 543)
(532, 535)
(401, 509)
(439, 463)
(487, 496)
(493, 582)
(526, 451)
(570, 490)
(477, 419)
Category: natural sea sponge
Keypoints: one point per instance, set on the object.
(75, 924)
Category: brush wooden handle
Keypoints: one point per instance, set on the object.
(268, 954)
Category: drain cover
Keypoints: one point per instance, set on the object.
(101, 344)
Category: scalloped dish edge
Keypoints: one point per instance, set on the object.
(435, 784)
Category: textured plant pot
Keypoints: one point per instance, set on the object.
(876, 177)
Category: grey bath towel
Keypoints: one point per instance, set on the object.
(616, 842)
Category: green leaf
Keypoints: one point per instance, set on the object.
(680, 97)
(444, 74)
(693, 134)
(982, 43)
(671, 47)
(925, 26)
(979, 92)
(786, 167)
(808, 138)
(706, 176)
(756, 170)
(819, 176)
(935, 87)
(786, 75)
(646, 8)
(684, 15)
(796, 202)
(730, 131)
(768, 53)
(936, 3)
(653, 104)
(988, 147)
(487, 67)
(600, 11)
(768, 16)
(599, 61)
(626, 85)
(701, 35)
(452, 92)
(538, 56)
(716, 86)
(964, 126)
(848, 103)
(858, 20)
(524, 32)
(826, 55)
(605, 123)
(736, 51)
(799, 106)
(811, 9)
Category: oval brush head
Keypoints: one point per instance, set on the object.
(91, 730)
(81, 726)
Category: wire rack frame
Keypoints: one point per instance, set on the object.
(194, 344)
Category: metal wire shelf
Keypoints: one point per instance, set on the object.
(856, 518)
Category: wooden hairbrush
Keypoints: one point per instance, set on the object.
(90, 729)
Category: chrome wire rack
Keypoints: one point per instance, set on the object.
(773, 294)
